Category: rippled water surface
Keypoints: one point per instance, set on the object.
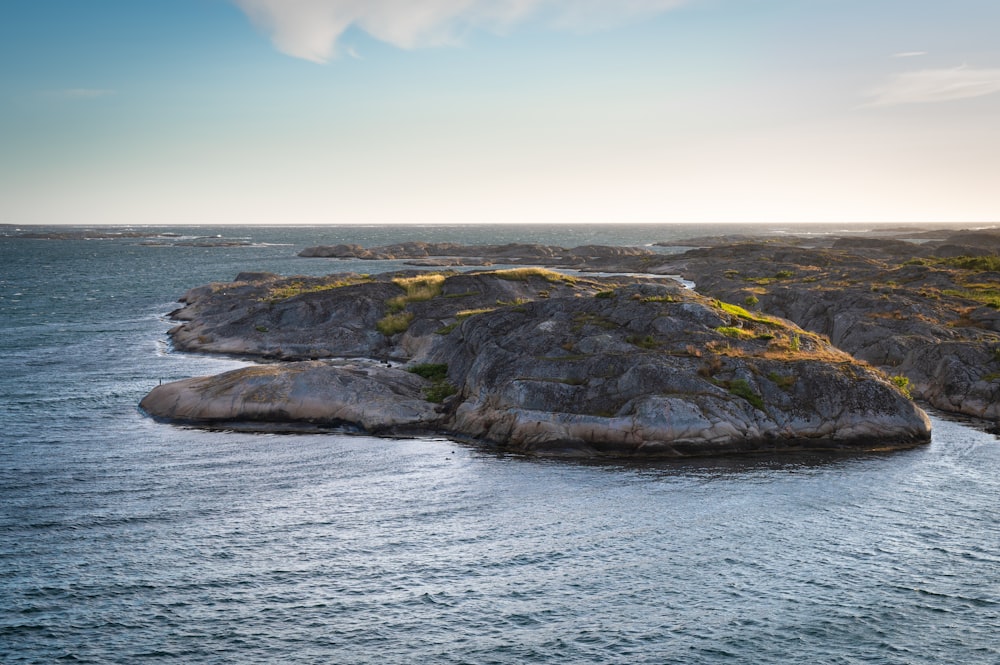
(123, 541)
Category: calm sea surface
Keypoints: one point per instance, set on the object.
(127, 541)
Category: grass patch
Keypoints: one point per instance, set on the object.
(783, 382)
(300, 287)
(524, 274)
(604, 294)
(439, 392)
(444, 330)
(977, 263)
(437, 374)
(740, 388)
(735, 333)
(583, 319)
(739, 312)
(392, 324)
(466, 313)
(418, 289)
(430, 371)
(986, 295)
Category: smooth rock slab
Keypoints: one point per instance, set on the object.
(370, 397)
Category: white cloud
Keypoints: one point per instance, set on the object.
(909, 54)
(310, 29)
(936, 85)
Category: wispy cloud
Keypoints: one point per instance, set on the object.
(936, 85)
(310, 29)
(909, 54)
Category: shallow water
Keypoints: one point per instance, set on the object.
(123, 540)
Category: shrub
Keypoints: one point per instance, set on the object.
(750, 301)
(438, 392)
(430, 371)
(740, 388)
(392, 324)
(903, 383)
(604, 294)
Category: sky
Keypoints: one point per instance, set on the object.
(493, 111)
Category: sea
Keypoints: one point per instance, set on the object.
(123, 540)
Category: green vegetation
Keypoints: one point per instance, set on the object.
(735, 333)
(583, 319)
(512, 303)
(903, 383)
(524, 274)
(666, 298)
(439, 392)
(750, 301)
(418, 289)
(392, 324)
(466, 313)
(260, 329)
(437, 374)
(740, 388)
(430, 371)
(795, 343)
(736, 310)
(444, 330)
(977, 263)
(783, 382)
(646, 342)
(986, 295)
(604, 294)
(784, 274)
(300, 287)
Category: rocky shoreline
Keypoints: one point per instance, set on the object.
(528, 360)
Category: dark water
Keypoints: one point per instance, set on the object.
(125, 541)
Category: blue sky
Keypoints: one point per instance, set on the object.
(351, 111)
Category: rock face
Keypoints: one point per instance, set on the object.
(931, 320)
(537, 363)
(290, 396)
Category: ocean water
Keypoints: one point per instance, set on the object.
(127, 541)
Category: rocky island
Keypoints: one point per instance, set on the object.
(922, 305)
(530, 360)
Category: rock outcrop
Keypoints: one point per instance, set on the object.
(932, 320)
(534, 362)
